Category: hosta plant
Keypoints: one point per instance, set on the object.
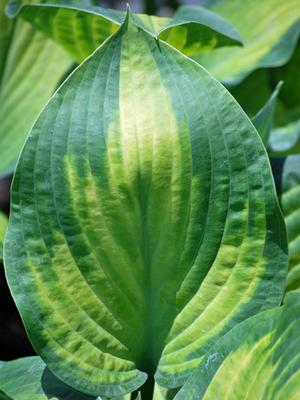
(144, 223)
(146, 250)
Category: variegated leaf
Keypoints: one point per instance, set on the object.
(80, 30)
(290, 201)
(259, 359)
(144, 220)
(31, 67)
(269, 28)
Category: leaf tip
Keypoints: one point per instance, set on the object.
(128, 16)
(279, 85)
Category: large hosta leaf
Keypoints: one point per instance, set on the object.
(30, 379)
(269, 29)
(259, 359)
(80, 30)
(144, 221)
(31, 66)
(290, 201)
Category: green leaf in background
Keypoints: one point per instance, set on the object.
(6, 29)
(285, 139)
(31, 67)
(195, 29)
(290, 201)
(290, 95)
(259, 359)
(254, 91)
(30, 379)
(269, 28)
(263, 120)
(81, 30)
(144, 221)
(3, 226)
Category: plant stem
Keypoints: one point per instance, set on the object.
(147, 389)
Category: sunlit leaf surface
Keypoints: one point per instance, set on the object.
(144, 219)
(80, 30)
(269, 29)
(259, 359)
(31, 66)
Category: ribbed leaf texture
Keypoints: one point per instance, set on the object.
(80, 30)
(290, 200)
(144, 221)
(31, 67)
(270, 31)
(259, 359)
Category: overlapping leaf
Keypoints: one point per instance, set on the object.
(290, 200)
(144, 221)
(269, 29)
(80, 30)
(29, 378)
(259, 359)
(196, 29)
